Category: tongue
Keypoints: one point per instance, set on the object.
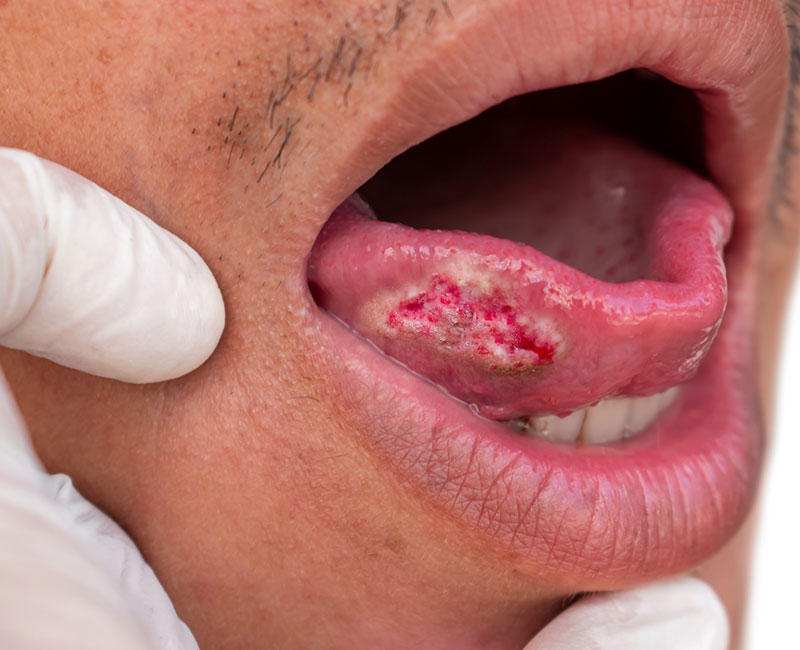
(619, 290)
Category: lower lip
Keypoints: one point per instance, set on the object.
(579, 517)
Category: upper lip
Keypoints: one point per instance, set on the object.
(588, 520)
(733, 54)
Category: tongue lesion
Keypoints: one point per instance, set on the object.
(465, 321)
(511, 330)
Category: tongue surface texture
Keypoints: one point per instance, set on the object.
(513, 331)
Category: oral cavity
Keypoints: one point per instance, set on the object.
(617, 291)
(610, 420)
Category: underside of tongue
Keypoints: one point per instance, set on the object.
(602, 275)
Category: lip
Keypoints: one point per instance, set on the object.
(588, 517)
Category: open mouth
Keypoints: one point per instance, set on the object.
(535, 303)
(602, 275)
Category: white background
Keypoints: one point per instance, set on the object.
(775, 599)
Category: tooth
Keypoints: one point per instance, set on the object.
(605, 421)
(608, 421)
(668, 397)
(554, 427)
(642, 412)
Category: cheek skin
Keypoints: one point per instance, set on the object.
(246, 517)
(777, 256)
(245, 484)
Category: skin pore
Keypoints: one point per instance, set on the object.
(248, 485)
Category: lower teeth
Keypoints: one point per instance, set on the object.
(607, 421)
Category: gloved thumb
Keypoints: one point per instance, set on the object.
(678, 613)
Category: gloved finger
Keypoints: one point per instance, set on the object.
(70, 578)
(91, 283)
(679, 613)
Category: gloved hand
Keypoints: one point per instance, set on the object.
(680, 613)
(89, 282)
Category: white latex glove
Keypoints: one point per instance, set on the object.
(89, 282)
(682, 613)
